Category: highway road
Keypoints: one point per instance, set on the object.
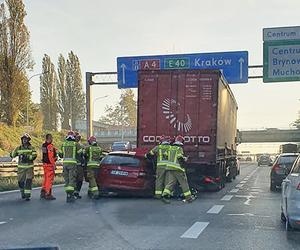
(244, 215)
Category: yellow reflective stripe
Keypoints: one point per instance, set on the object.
(69, 188)
(167, 191)
(22, 151)
(94, 189)
(188, 193)
(176, 166)
(27, 191)
(158, 192)
(25, 166)
(93, 163)
(69, 161)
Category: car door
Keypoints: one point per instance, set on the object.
(289, 185)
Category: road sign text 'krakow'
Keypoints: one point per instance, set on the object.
(234, 65)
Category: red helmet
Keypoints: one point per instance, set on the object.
(71, 133)
(92, 139)
(179, 140)
(164, 139)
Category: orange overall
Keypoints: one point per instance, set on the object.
(49, 159)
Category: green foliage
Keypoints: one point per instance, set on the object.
(74, 90)
(10, 139)
(15, 60)
(124, 113)
(71, 98)
(49, 94)
(63, 97)
(296, 123)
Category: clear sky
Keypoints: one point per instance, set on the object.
(98, 31)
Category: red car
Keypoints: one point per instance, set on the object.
(126, 173)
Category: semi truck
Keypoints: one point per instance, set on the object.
(199, 105)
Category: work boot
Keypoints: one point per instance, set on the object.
(70, 198)
(165, 199)
(22, 194)
(77, 196)
(188, 199)
(49, 197)
(27, 198)
(43, 194)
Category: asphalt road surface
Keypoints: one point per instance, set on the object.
(244, 215)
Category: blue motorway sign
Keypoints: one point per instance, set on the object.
(234, 65)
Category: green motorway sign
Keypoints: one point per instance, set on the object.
(177, 63)
(281, 60)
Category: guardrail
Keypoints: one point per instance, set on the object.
(9, 169)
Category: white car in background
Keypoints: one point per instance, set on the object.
(290, 202)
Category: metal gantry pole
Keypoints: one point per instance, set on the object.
(89, 120)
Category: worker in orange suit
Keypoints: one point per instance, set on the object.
(49, 159)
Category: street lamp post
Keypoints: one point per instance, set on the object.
(27, 105)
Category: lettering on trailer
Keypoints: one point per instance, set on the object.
(195, 139)
(234, 65)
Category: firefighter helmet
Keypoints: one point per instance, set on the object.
(179, 140)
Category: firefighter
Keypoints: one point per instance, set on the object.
(27, 155)
(93, 157)
(49, 159)
(176, 172)
(160, 153)
(79, 167)
(69, 152)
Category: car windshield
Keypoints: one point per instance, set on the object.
(287, 160)
(121, 160)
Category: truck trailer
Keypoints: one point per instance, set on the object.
(199, 105)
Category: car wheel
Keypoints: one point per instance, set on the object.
(273, 187)
(282, 217)
(288, 225)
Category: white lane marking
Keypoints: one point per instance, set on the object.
(215, 209)
(195, 230)
(239, 185)
(36, 188)
(248, 198)
(246, 179)
(243, 182)
(2, 222)
(235, 190)
(226, 197)
(251, 215)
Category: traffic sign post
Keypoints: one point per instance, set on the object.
(234, 65)
(281, 54)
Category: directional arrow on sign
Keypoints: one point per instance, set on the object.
(123, 66)
(241, 61)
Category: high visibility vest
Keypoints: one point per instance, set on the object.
(174, 154)
(69, 152)
(94, 156)
(161, 152)
(26, 156)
